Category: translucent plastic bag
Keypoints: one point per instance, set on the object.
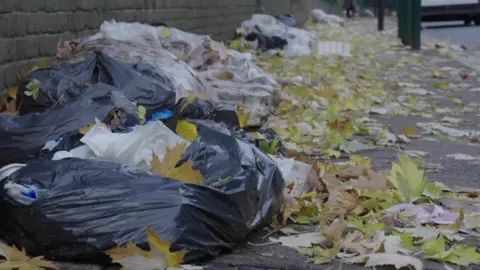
(300, 41)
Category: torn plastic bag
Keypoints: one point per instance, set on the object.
(207, 110)
(247, 85)
(89, 206)
(320, 16)
(300, 41)
(134, 42)
(124, 47)
(134, 148)
(23, 136)
(66, 82)
(194, 49)
(266, 43)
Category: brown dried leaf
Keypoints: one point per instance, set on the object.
(334, 231)
(290, 206)
(18, 259)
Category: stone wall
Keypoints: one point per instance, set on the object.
(30, 29)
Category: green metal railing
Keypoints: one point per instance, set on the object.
(409, 22)
(408, 17)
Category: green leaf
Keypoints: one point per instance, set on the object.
(457, 254)
(269, 148)
(33, 89)
(408, 179)
(166, 32)
(332, 153)
(434, 246)
(463, 256)
(432, 190)
(302, 220)
(142, 112)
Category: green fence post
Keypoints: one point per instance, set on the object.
(416, 24)
(401, 19)
(408, 22)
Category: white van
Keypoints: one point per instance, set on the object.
(451, 10)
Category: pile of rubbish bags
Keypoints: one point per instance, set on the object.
(76, 175)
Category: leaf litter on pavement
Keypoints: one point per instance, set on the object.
(393, 217)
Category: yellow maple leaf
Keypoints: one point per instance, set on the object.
(166, 32)
(187, 130)
(12, 91)
(159, 256)
(167, 167)
(18, 259)
(242, 117)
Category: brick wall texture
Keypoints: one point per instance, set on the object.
(30, 29)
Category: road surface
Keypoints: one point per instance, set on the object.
(454, 32)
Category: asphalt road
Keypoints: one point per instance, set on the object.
(454, 32)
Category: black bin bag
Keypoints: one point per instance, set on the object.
(85, 207)
(25, 135)
(66, 82)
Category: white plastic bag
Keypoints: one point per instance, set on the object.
(320, 16)
(300, 41)
(135, 148)
(141, 43)
(294, 172)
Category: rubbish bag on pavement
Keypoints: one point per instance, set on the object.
(220, 73)
(84, 207)
(300, 41)
(137, 43)
(24, 135)
(320, 16)
(67, 82)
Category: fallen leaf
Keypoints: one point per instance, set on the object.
(142, 112)
(410, 132)
(187, 130)
(12, 91)
(300, 240)
(159, 256)
(320, 255)
(353, 146)
(18, 259)
(407, 178)
(396, 260)
(432, 190)
(460, 156)
(457, 254)
(166, 32)
(242, 117)
(334, 231)
(442, 85)
(33, 89)
(332, 153)
(167, 167)
(290, 206)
